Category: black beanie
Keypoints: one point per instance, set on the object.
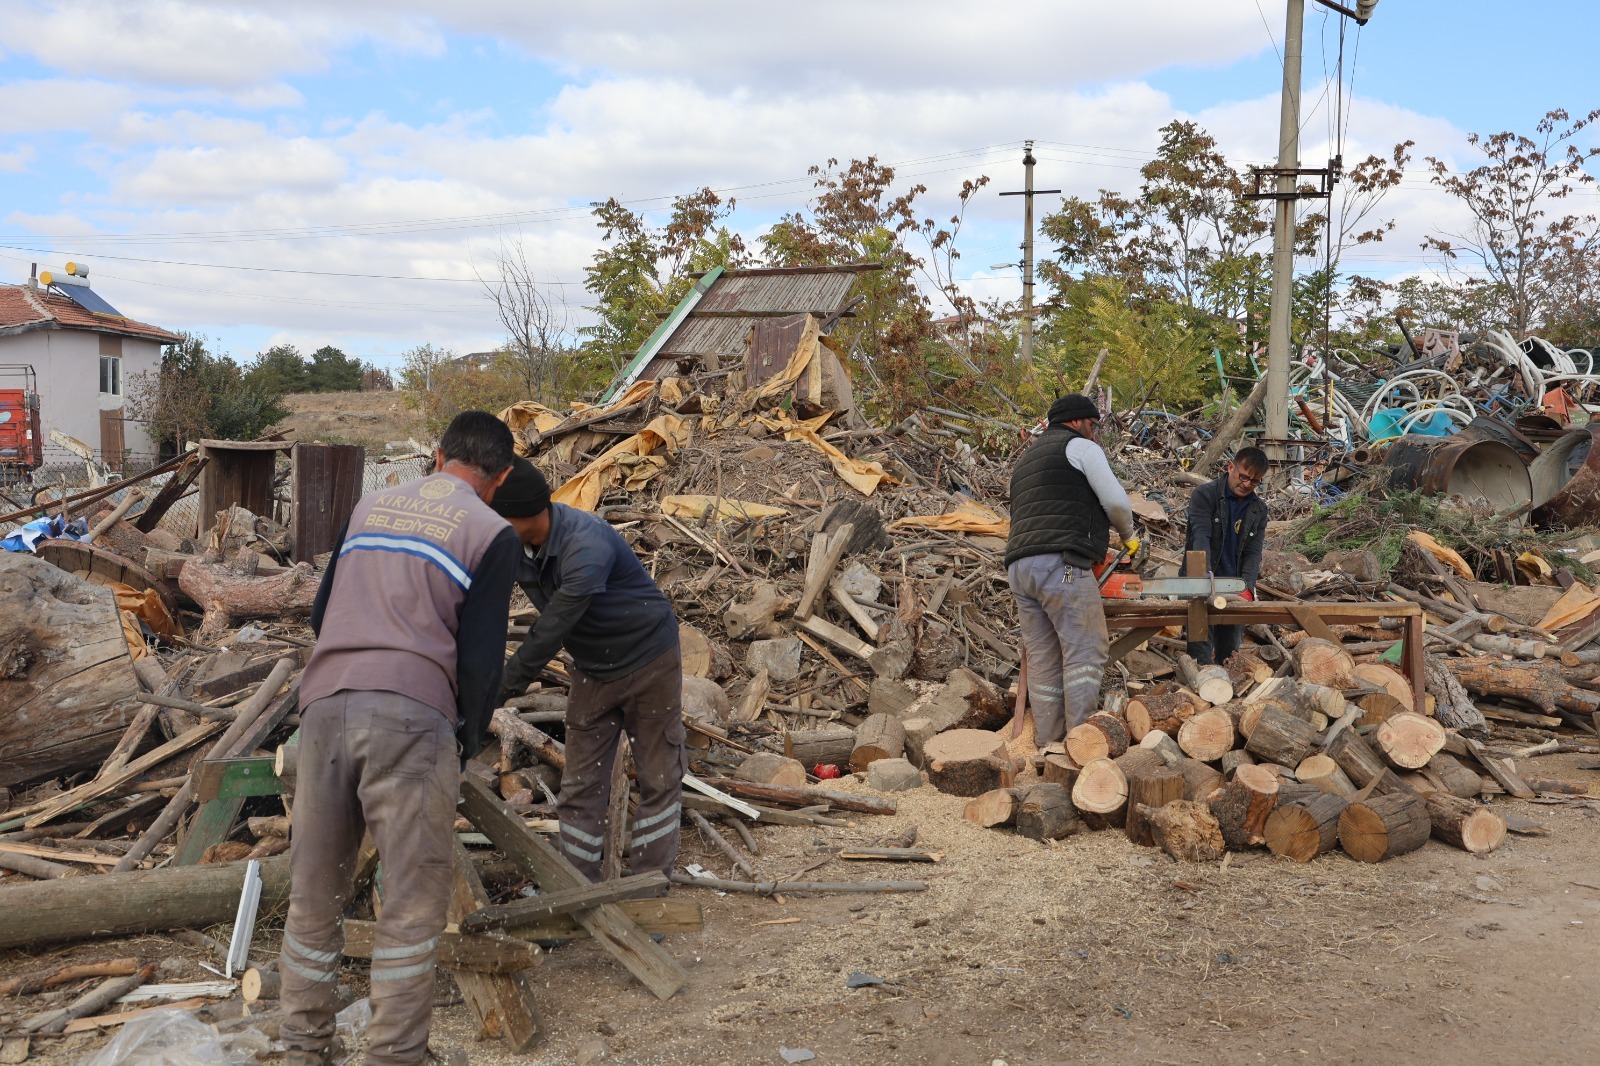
(1071, 408)
(524, 493)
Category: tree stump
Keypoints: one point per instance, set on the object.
(1281, 738)
(1186, 830)
(1465, 824)
(231, 591)
(1101, 794)
(1165, 711)
(1325, 774)
(1307, 828)
(1207, 736)
(1322, 662)
(967, 762)
(67, 684)
(1409, 740)
(1101, 736)
(1382, 827)
(879, 737)
(1045, 812)
(1243, 804)
(770, 768)
(1060, 770)
(1149, 790)
(1456, 779)
(995, 808)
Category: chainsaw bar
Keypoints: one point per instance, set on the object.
(1124, 586)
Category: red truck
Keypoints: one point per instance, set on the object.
(21, 444)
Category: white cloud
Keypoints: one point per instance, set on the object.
(18, 160)
(235, 173)
(60, 105)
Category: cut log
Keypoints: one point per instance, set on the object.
(809, 796)
(1541, 683)
(1207, 736)
(1246, 669)
(1243, 804)
(257, 984)
(1306, 828)
(995, 808)
(1149, 790)
(983, 706)
(1165, 711)
(1386, 677)
(770, 768)
(1164, 746)
(813, 747)
(1281, 738)
(1322, 662)
(1451, 704)
(967, 762)
(1199, 779)
(1323, 772)
(1101, 794)
(1138, 759)
(755, 618)
(230, 592)
(1453, 777)
(1101, 736)
(881, 736)
(1409, 740)
(26, 984)
(66, 681)
(1465, 824)
(1232, 760)
(1376, 707)
(1045, 812)
(1213, 685)
(1060, 770)
(1382, 827)
(1186, 830)
(1357, 759)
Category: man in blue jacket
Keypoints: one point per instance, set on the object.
(1228, 521)
(597, 601)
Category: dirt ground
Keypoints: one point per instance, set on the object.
(371, 419)
(1089, 950)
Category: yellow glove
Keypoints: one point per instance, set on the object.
(1132, 545)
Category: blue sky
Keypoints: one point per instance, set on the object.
(170, 142)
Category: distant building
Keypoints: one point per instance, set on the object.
(83, 354)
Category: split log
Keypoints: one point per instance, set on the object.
(967, 762)
(1199, 779)
(66, 681)
(1232, 760)
(1382, 827)
(1246, 669)
(514, 733)
(229, 592)
(26, 984)
(1101, 794)
(1101, 736)
(1538, 683)
(755, 618)
(805, 797)
(1138, 759)
(1045, 812)
(1357, 759)
(1465, 824)
(1376, 707)
(1169, 750)
(1186, 830)
(1207, 736)
(1243, 804)
(1386, 677)
(1165, 711)
(1281, 738)
(1453, 777)
(982, 705)
(1322, 662)
(1409, 740)
(814, 747)
(1060, 770)
(1292, 791)
(1323, 772)
(96, 999)
(995, 808)
(770, 768)
(1149, 790)
(881, 736)
(1306, 828)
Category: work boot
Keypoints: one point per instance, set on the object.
(301, 1057)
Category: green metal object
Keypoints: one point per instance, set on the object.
(651, 347)
(211, 826)
(236, 779)
(1393, 653)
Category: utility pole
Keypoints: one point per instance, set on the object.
(1281, 320)
(1028, 193)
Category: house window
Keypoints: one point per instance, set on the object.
(111, 375)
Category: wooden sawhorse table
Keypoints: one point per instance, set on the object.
(1140, 620)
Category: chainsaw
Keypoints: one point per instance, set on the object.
(1127, 585)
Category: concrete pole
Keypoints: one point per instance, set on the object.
(1027, 254)
(1281, 321)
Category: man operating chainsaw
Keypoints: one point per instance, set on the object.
(1064, 501)
(1228, 521)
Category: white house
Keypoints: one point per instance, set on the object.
(83, 360)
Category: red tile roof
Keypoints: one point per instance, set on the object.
(22, 309)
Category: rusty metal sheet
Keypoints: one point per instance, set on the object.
(1566, 481)
(1466, 464)
(324, 486)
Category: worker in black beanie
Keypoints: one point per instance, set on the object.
(596, 600)
(1064, 501)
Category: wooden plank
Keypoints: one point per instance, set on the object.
(1413, 663)
(502, 1004)
(235, 680)
(839, 638)
(1310, 621)
(324, 485)
(1129, 641)
(93, 858)
(568, 901)
(665, 916)
(97, 788)
(487, 953)
(236, 778)
(611, 927)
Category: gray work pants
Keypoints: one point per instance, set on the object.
(648, 705)
(382, 762)
(1064, 634)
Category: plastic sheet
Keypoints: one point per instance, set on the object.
(178, 1038)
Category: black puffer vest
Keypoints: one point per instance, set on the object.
(1054, 511)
